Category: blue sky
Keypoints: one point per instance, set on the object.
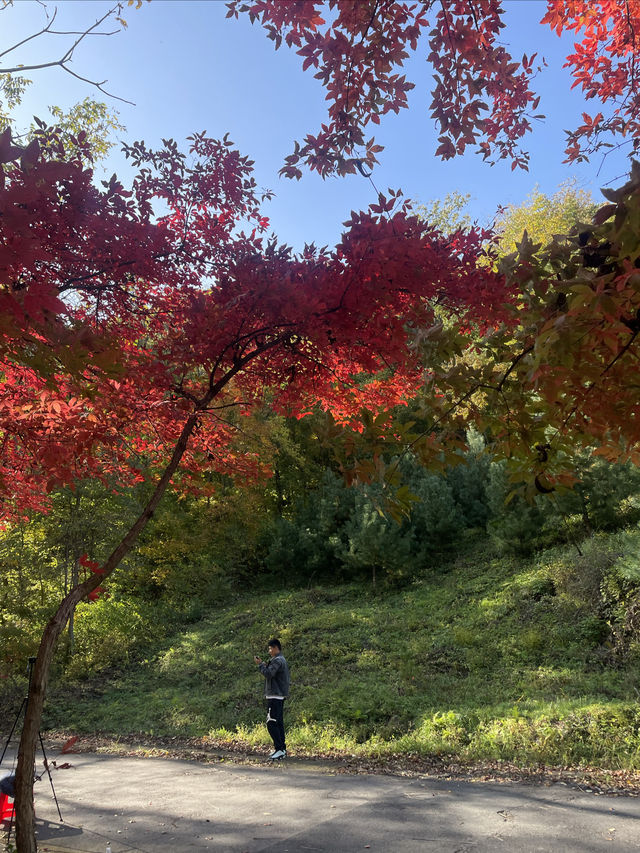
(187, 68)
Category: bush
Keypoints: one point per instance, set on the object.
(345, 532)
(601, 497)
(108, 630)
(436, 519)
(294, 552)
(306, 545)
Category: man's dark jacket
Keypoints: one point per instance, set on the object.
(276, 676)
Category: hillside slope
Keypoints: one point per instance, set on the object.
(487, 658)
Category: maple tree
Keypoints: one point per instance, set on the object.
(127, 335)
(550, 379)
(481, 97)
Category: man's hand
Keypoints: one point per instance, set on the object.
(257, 659)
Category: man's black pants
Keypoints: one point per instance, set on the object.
(275, 722)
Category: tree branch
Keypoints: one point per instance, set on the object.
(28, 38)
(68, 55)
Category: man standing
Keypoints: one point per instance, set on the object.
(276, 690)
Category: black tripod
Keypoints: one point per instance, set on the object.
(23, 710)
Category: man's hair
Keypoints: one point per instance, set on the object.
(273, 642)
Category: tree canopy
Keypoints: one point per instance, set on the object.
(542, 216)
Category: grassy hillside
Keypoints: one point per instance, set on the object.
(485, 658)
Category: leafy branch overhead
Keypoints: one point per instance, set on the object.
(482, 97)
(562, 371)
(116, 317)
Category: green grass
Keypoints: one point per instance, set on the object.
(492, 658)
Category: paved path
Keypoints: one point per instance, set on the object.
(171, 806)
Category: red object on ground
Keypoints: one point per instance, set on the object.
(6, 808)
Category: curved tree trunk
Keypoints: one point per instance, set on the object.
(24, 813)
(25, 824)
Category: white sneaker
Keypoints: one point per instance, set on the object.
(279, 753)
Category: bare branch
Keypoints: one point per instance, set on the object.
(99, 86)
(68, 54)
(28, 38)
(79, 33)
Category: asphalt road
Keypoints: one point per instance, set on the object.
(161, 805)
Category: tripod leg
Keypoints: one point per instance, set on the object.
(53, 790)
(13, 814)
(13, 728)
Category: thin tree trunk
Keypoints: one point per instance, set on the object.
(24, 813)
(584, 510)
(277, 481)
(75, 577)
(74, 512)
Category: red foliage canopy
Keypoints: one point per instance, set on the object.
(481, 95)
(119, 326)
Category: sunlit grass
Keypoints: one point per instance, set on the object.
(492, 658)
